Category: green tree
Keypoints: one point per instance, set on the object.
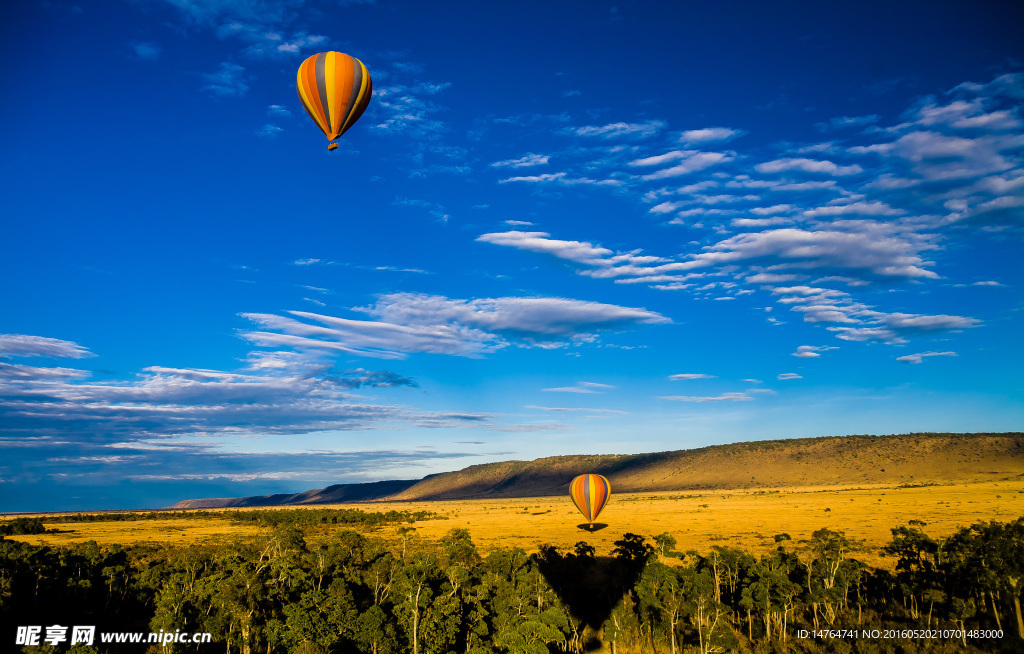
(916, 566)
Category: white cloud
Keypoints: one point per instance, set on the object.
(893, 327)
(528, 315)
(809, 351)
(724, 397)
(691, 162)
(527, 160)
(770, 278)
(17, 372)
(406, 111)
(408, 323)
(578, 251)
(807, 166)
(562, 179)
(806, 186)
(708, 135)
(910, 322)
(24, 345)
(788, 375)
(615, 130)
(919, 358)
(277, 393)
(667, 207)
(874, 250)
(585, 388)
(657, 160)
(418, 271)
(774, 221)
(690, 375)
(847, 121)
(937, 157)
(1010, 85)
(854, 208)
(581, 252)
(772, 210)
(573, 409)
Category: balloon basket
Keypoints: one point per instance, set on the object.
(332, 146)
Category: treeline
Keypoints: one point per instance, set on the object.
(326, 517)
(265, 517)
(20, 526)
(348, 593)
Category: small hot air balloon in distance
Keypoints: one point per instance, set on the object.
(590, 493)
(334, 89)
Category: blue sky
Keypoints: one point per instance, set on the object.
(579, 227)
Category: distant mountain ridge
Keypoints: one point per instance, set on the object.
(825, 461)
(335, 494)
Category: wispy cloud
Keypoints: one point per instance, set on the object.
(586, 388)
(269, 130)
(147, 51)
(276, 393)
(788, 375)
(561, 179)
(709, 135)
(807, 166)
(24, 345)
(690, 375)
(436, 211)
(408, 323)
(227, 82)
(919, 358)
(690, 161)
(642, 130)
(573, 409)
(811, 351)
(843, 122)
(526, 161)
(724, 397)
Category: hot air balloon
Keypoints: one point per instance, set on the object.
(590, 494)
(334, 89)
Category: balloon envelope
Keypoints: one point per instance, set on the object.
(334, 89)
(590, 494)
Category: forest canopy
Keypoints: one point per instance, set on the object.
(292, 590)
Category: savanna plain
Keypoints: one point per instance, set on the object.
(698, 520)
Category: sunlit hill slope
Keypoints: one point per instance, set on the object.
(907, 459)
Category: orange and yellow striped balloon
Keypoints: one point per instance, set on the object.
(335, 90)
(590, 494)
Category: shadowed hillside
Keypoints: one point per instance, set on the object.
(330, 495)
(842, 460)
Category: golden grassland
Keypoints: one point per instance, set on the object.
(748, 519)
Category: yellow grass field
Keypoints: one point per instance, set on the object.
(698, 520)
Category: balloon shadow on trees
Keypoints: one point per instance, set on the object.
(591, 586)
